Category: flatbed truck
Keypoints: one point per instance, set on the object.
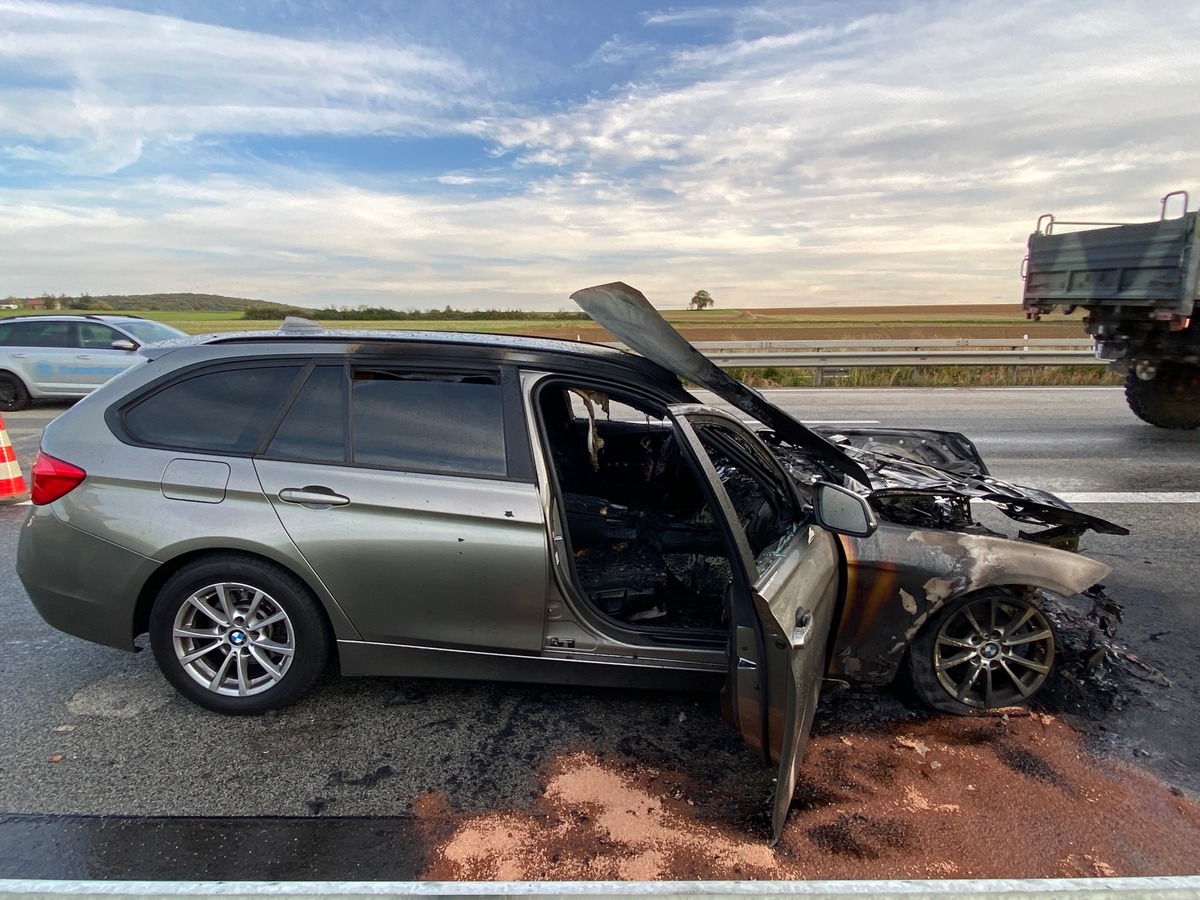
(1138, 285)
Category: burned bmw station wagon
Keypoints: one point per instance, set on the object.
(458, 505)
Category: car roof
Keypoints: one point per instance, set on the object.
(76, 317)
(554, 353)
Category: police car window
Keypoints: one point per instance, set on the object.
(41, 334)
(97, 337)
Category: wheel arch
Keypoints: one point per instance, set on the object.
(892, 663)
(889, 604)
(339, 627)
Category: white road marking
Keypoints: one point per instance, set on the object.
(1129, 496)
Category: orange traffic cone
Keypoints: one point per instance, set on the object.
(12, 482)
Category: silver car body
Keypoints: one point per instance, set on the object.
(62, 357)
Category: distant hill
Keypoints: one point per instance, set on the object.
(131, 302)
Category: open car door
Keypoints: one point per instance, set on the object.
(782, 593)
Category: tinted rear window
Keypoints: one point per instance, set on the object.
(314, 429)
(37, 334)
(221, 411)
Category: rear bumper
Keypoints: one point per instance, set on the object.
(78, 583)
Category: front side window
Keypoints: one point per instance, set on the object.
(646, 550)
(428, 421)
(762, 499)
(97, 337)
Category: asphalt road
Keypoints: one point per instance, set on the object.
(89, 731)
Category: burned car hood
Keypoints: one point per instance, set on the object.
(919, 477)
(907, 461)
(626, 312)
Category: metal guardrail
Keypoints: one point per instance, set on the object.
(852, 354)
(1024, 343)
(849, 354)
(874, 358)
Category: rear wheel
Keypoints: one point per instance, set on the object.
(1171, 399)
(13, 393)
(238, 635)
(983, 651)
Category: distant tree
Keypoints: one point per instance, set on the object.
(87, 302)
(701, 300)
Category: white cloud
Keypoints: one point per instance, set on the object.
(897, 154)
(110, 79)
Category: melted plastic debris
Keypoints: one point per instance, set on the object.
(1093, 673)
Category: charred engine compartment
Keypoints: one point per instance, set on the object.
(645, 547)
(928, 479)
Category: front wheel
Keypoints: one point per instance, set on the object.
(982, 651)
(13, 393)
(238, 635)
(1171, 399)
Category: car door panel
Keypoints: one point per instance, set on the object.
(795, 602)
(417, 558)
(779, 618)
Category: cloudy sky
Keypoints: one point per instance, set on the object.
(502, 153)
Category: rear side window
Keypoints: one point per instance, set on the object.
(39, 334)
(220, 411)
(428, 421)
(314, 429)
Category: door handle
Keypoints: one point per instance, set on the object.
(313, 496)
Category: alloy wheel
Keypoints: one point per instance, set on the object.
(233, 639)
(994, 651)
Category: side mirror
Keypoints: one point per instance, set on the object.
(123, 344)
(843, 511)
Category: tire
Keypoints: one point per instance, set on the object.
(982, 651)
(239, 635)
(13, 393)
(1171, 399)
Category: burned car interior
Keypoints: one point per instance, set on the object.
(646, 549)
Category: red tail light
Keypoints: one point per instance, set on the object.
(53, 478)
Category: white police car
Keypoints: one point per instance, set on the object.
(48, 357)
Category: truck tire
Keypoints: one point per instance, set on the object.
(1171, 399)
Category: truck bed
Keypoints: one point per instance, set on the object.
(1152, 266)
